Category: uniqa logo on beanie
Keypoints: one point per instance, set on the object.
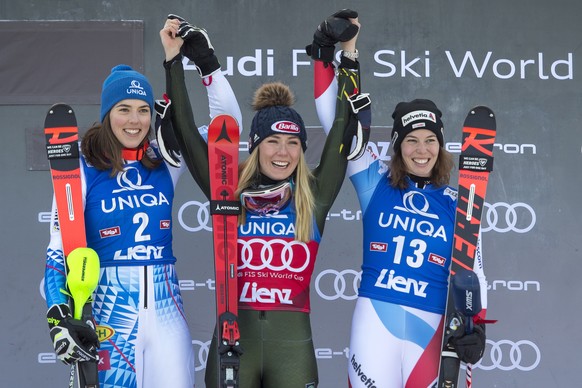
(136, 88)
(286, 127)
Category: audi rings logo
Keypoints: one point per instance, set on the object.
(195, 216)
(294, 255)
(331, 284)
(503, 217)
(201, 350)
(508, 355)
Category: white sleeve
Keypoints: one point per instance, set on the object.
(221, 97)
(325, 94)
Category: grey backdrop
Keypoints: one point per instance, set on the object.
(521, 58)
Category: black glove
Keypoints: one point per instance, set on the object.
(197, 47)
(470, 347)
(336, 28)
(73, 339)
(167, 142)
(356, 136)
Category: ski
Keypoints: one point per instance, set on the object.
(223, 140)
(62, 137)
(475, 164)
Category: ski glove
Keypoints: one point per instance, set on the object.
(167, 141)
(470, 347)
(336, 28)
(73, 339)
(359, 134)
(197, 47)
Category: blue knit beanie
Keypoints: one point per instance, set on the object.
(125, 83)
(274, 120)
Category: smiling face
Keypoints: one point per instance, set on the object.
(130, 122)
(420, 150)
(279, 156)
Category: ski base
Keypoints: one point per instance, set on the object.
(475, 164)
(223, 141)
(62, 146)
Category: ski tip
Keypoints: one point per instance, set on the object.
(223, 127)
(60, 115)
(224, 118)
(482, 109)
(60, 107)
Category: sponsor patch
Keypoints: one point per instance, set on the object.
(418, 115)
(104, 332)
(104, 360)
(378, 246)
(286, 127)
(110, 232)
(436, 259)
(165, 224)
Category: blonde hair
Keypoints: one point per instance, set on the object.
(303, 199)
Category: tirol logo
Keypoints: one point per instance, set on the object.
(110, 232)
(418, 115)
(378, 246)
(436, 259)
(286, 127)
(136, 88)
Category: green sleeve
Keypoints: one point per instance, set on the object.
(192, 146)
(329, 174)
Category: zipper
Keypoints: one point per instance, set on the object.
(145, 287)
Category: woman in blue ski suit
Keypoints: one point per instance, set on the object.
(128, 191)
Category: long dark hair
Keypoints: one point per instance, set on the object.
(441, 172)
(103, 151)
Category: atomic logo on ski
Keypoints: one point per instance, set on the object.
(223, 135)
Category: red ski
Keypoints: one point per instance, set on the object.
(62, 137)
(223, 140)
(475, 164)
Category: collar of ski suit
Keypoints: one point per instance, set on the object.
(135, 153)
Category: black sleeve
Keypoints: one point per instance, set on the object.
(192, 145)
(329, 174)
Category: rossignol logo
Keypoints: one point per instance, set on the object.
(285, 127)
(418, 115)
(136, 88)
